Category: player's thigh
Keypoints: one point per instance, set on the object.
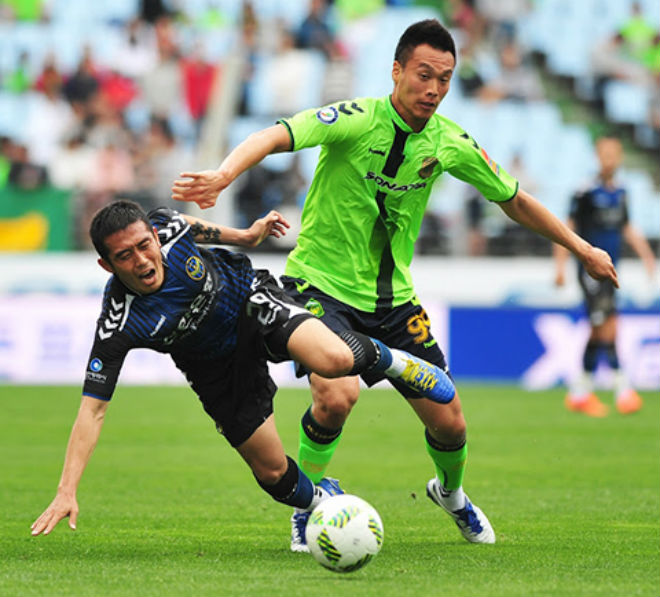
(445, 422)
(319, 349)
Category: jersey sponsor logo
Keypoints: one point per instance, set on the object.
(195, 267)
(197, 311)
(327, 115)
(428, 165)
(393, 186)
(94, 372)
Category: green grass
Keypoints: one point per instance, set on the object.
(168, 508)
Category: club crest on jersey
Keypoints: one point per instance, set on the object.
(195, 267)
(428, 164)
(328, 115)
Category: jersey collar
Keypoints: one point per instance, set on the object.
(396, 117)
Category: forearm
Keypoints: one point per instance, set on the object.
(82, 441)
(528, 212)
(205, 232)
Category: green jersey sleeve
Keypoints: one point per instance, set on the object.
(467, 161)
(336, 123)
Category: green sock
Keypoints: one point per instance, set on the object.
(317, 445)
(449, 464)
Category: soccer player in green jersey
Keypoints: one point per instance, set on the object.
(379, 159)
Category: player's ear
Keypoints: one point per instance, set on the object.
(396, 71)
(105, 265)
(156, 235)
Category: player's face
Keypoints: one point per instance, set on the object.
(134, 257)
(421, 84)
(610, 155)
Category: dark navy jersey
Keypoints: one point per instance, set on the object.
(600, 214)
(194, 315)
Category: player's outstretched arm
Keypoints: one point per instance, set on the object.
(205, 232)
(529, 212)
(82, 441)
(204, 187)
(560, 255)
(642, 247)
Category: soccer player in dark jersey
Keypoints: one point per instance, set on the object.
(379, 160)
(599, 213)
(221, 321)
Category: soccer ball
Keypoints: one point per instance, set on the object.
(344, 533)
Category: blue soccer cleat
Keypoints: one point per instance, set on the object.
(299, 518)
(425, 378)
(469, 519)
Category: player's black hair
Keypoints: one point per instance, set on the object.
(112, 218)
(429, 31)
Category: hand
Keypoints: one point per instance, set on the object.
(272, 224)
(201, 187)
(61, 507)
(599, 266)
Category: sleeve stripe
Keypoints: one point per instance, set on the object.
(288, 128)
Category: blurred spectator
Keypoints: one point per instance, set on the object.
(84, 82)
(338, 77)
(463, 15)
(22, 10)
(637, 33)
(158, 161)
(286, 75)
(198, 79)
(50, 79)
(5, 163)
(469, 78)
(502, 17)
(71, 166)
(24, 173)
(516, 80)
(314, 32)
(152, 10)
(162, 86)
(138, 54)
(19, 79)
(249, 31)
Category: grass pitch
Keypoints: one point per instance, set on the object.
(167, 508)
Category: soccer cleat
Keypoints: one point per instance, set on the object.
(298, 526)
(299, 518)
(628, 402)
(469, 519)
(590, 406)
(425, 378)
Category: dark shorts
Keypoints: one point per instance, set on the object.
(599, 298)
(237, 390)
(407, 326)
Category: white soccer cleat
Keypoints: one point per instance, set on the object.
(469, 519)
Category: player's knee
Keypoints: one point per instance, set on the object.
(269, 473)
(449, 430)
(336, 362)
(333, 400)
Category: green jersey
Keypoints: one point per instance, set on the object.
(365, 205)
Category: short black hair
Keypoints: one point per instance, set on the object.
(429, 31)
(112, 218)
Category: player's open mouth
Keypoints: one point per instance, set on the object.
(428, 105)
(148, 276)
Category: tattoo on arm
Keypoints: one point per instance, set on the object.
(205, 234)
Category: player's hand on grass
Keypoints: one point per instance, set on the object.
(272, 224)
(201, 187)
(61, 507)
(598, 264)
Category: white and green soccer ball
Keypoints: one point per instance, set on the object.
(344, 533)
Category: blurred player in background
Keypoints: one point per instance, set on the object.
(351, 266)
(220, 320)
(599, 213)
